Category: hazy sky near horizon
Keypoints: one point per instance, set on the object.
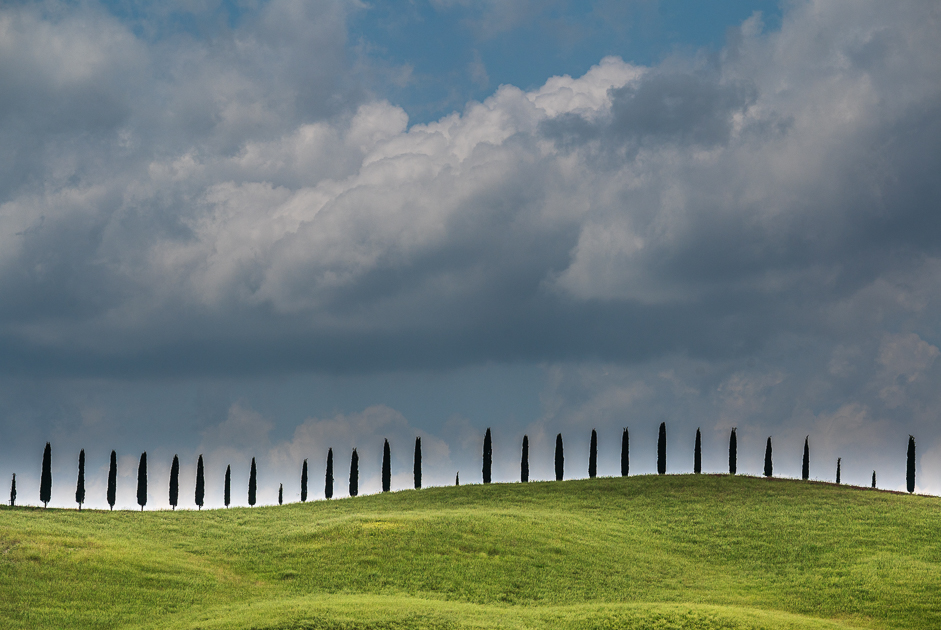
(265, 228)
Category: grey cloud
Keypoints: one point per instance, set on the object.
(265, 218)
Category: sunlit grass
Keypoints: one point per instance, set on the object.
(678, 551)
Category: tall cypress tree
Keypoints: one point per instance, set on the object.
(488, 456)
(227, 488)
(175, 482)
(768, 467)
(252, 484)
(457, 478)
(559, 458)
(697, 453)
(80, 484)
(142, 481)
(13, 491)
(304, 482)
(328, 478)
(662, 450)
(873, 479)
(112, 479)
(593, 455)
(625, 453)
(733, 453)
(524, 461)
(280, 494)
(416, 467)
(837, 471)
(805, 466)
(910, 465)
(45, 482)
(201, 482)
(354, 474)
(386, 467)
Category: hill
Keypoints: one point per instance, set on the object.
(670, 552)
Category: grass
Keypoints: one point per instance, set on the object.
(673, 552)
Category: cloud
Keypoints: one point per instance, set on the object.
(242, 203)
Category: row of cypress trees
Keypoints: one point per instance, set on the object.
(45, 487)
(662, 457)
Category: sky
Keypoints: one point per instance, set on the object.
(266, 228)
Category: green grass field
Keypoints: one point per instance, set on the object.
(671, 552)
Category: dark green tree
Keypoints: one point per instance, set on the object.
(837, 471)
(354, 474)
(625, 453)
(13, 491)
(227, 487)
(559, 458)
(769, 469)
(873, 479)
(45, 481)
(909, 465)
(201, 483)
(416, 467)
(457, 478)
(142, 481)
(697, 453)
(488, 456)
(80, 484)
(280, 494)
(662, 450)
(524, 461)
(328, 480)
(252, 484)
(593, 455)
(304, 482)
(733, 453)
(112, 479)
(805, 466)
(175, 482)
(386, 467)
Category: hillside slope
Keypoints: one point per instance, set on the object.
(678, 551)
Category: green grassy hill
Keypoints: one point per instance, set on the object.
(671, 552)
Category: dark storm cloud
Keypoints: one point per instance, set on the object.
(237, 205)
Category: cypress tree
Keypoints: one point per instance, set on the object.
(112, 479)
(45, 482)
(457, 478)
(142, 481)
(13, 491)
(386, 467)
(559, 458)
(837, 471)
(416, 468)
(733, 453)
(201, 482)
(227, 489)
(304, 482)
(175, 482)
(328, 479)
(662, 450)
(697, 453)
(252, 484)
(354, 474)
(768, 467)
(280, 494)
(625, 453)
(593, 455)
(873, 479)
(910, 465)
(488, 456)
(524, 461)
(80, 484)
(805, 467)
